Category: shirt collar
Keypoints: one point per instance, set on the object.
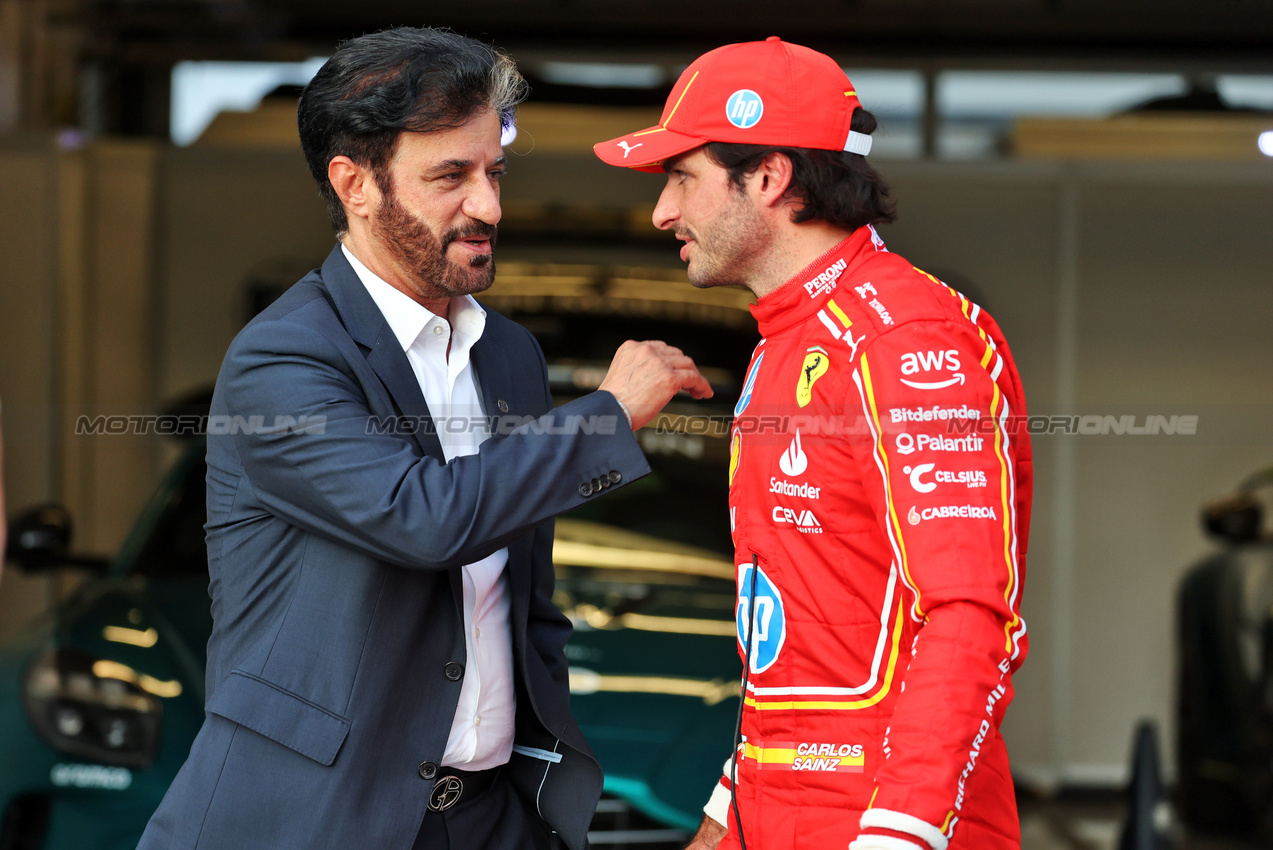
(807, 292)
(406, 317)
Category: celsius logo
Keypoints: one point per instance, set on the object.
(793, 461)
(932, 361)
(915, 473)
(744, 108)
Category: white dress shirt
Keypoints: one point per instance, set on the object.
(482, 732)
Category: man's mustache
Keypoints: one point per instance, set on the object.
(476, 229)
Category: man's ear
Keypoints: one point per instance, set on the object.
(772, 179)
(354, 185)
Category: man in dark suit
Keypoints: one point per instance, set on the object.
(386, 668)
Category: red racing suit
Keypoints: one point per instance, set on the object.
(880, 480)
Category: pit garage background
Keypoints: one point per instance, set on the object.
(1127, 257)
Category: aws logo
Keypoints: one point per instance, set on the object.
(918, 362)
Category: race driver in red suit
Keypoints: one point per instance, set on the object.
(879, 486)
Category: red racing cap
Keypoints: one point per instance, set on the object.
(766, 92)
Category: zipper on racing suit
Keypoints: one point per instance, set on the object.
(742, 698)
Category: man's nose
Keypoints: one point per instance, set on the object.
(665, 212)
(482, 202)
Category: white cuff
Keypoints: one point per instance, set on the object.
(883, 842)
(717, 807)
(624, 408)
(858, 143)
(902, 822)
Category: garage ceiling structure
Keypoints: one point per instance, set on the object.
(123, 50)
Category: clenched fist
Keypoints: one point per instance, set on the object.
(645, 375)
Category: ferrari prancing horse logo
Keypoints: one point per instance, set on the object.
(816, 363)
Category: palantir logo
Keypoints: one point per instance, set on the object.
(793, 461)
(763, 626)
(744, 108)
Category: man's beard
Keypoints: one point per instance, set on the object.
(726, 247)
(418, 252)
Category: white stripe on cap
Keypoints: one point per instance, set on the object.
(858, 143)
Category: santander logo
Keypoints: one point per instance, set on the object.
(793, 461)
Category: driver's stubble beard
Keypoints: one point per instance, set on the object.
(730, 245)
(416, 249)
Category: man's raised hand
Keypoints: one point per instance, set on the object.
(645, 375)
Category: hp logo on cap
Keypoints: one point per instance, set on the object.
(744, 108)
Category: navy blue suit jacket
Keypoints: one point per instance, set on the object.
(336, 539)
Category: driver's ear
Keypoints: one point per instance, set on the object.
(772, 178)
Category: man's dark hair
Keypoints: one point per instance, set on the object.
(834, 186)
(380, 85)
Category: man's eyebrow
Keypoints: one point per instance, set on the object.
(449, 165)
(452, 165)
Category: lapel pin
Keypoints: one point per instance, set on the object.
(502, 405)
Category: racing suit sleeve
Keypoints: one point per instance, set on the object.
(939, 466)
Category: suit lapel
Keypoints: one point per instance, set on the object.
(490, 359)
(490, 366)
(367, 325)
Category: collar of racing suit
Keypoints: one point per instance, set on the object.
(807, 292)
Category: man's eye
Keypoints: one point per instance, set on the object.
(496, 175)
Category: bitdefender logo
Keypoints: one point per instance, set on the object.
(793, 461)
